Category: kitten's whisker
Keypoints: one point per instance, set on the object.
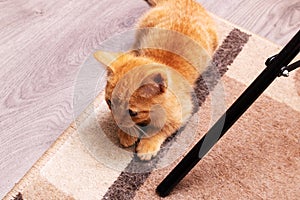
(136, 132)
(125, 130)
(143, 132)
(131, 131)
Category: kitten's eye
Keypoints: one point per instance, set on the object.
(108, 103)
(132, 113)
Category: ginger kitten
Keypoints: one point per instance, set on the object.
(149, 89)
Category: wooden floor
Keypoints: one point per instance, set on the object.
(43, 43)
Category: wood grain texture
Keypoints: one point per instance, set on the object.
(276, 20)
(43, 44)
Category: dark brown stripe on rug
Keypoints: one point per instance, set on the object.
(223, 57)
(297, 81)
(18, 197)
(131, 178)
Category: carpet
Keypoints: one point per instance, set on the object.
(258, 158)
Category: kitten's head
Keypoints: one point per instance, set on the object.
(135, 92)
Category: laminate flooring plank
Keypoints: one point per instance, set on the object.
(42, 45)
(276, 20)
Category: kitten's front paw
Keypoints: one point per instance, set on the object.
(147, 149)
(125, 139)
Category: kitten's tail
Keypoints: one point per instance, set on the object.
(153, 3)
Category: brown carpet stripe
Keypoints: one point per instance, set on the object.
(297, 81)
(18, 197)
(131, 178)
(223, 57)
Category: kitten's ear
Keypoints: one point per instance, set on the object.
(154, 84)
(106, 58)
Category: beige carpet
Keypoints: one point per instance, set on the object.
(259, 157)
